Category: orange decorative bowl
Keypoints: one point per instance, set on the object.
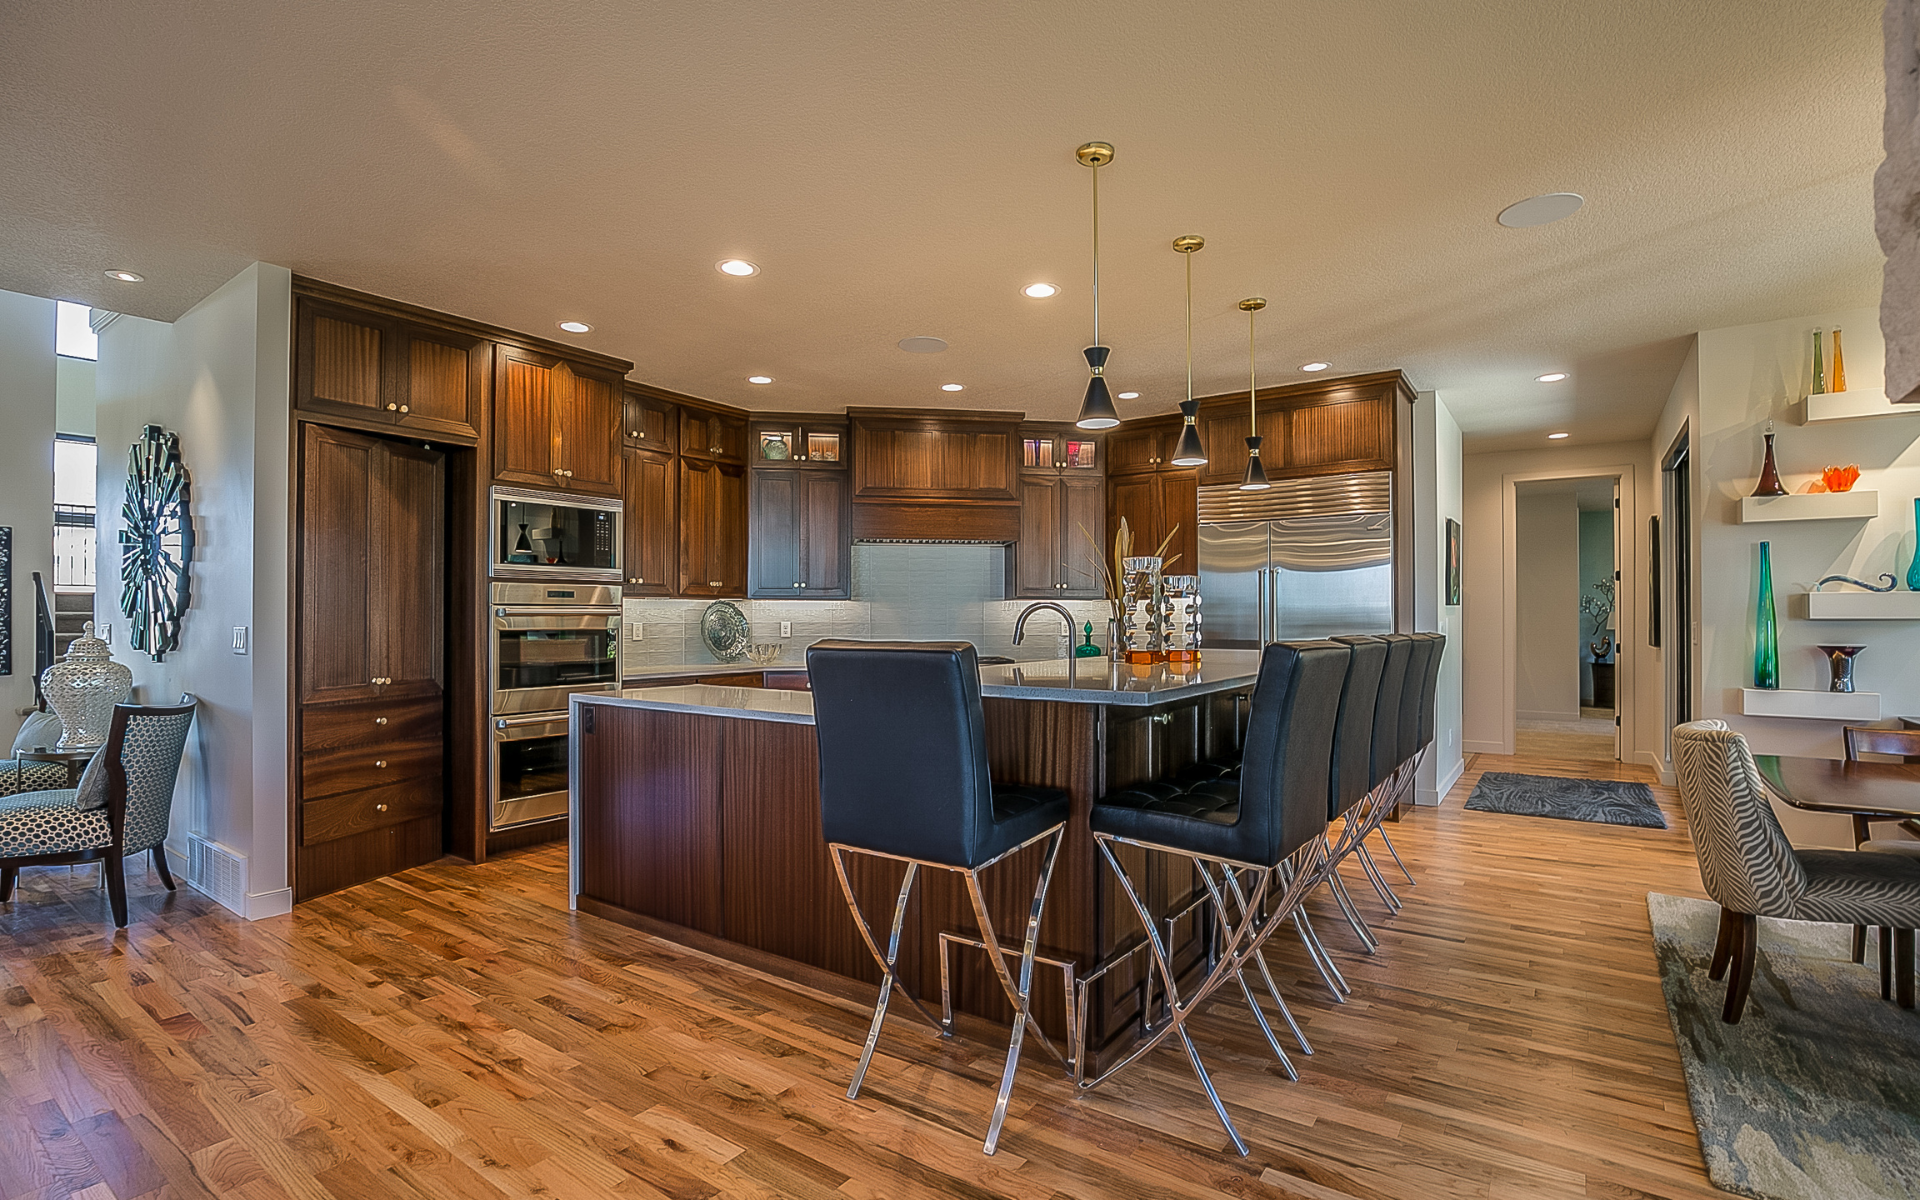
(1840, 479)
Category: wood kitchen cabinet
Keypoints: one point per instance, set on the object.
(1154, 504)
(1327, 427)
(369, 659)
(713, 527)
(1223, 431)
(915, 455)
(555, 424)
(649, 423)
(374, 371)
(1137, 447)
(800, 539)
(651, 523)
(1052, 559)
(713, 436)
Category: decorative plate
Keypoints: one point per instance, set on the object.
(156, 545)
(723, 627)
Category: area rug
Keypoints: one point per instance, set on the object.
(1606, 801)
(1815, 1094)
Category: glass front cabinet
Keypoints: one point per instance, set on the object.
(800, 443)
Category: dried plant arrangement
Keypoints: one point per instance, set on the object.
(1111, 573)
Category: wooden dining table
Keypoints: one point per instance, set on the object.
(1867, 792)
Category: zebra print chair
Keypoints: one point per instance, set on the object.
(1751, 869)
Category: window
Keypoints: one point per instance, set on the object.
(73, 336)
(74, 460)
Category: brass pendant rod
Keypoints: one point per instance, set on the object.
(1096, 254)
(1253, 390)
(1189, 326)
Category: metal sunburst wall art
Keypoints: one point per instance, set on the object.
(156, 545)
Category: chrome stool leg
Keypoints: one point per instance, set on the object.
(1240, 977)
(1322, 961)
(1259, 956)
(1378, 880)
(1411, 881)
(1344, 899)
(889, 979)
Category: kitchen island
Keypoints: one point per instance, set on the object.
(696, 816)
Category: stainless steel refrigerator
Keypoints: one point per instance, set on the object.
(1309, 558)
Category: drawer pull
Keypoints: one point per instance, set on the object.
(379, 720)
(380, 762)
(379, 808)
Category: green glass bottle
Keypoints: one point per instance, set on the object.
(1913, 572)
(1819, 368)
(1766, 632)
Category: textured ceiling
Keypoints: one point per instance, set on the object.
(903, 168)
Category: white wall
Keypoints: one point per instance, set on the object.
(1437, 484)
(1489, 668)
(1747, 374)
(27, 391)
(1547, 548)
(219, 377)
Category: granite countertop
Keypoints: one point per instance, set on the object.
(1099, 681)
(687, 670)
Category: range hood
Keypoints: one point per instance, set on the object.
(942, 521)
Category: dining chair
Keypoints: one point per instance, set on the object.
(121, 807)
(1752, 871)
(1904, 743)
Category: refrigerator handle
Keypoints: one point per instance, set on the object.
(1260, 605)
(1273, 604)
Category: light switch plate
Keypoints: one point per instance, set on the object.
(786, 629)
(239, 639)
(636, 631)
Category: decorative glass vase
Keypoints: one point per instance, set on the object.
(1839, 365)
(1913, 572)
(1140, 609)
(1180, 607)
(1819, 371)
(1766, 632)
(82, 690)
(1769, 484)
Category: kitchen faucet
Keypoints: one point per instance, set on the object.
(1020, 631)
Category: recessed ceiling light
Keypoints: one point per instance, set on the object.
(759, 379)
(126, 277)
(1040, 291)
(1554, 437)
(1314, 366)
(1129, 395)
(953, 387)
(922, 345)
(576, 327)
(1551, 377)
(737, 266)
(1540, 210)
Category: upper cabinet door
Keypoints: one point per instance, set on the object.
(710, 435)
(649, 424)
(931, 458)
(343, 362)
(339, 657)
(586, 434)
(1084, 508)
(651, 524)
(446, 381)
(523, 417)
(1133, 451)
(1038, 554)
(713, 528)
(776, 545)
(1341, 436)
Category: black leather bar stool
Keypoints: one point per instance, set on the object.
(903, 775)
(1274, 813)
(1406, 753)
(1383, 776)
(1416, 731)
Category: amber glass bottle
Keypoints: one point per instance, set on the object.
(1839, 365)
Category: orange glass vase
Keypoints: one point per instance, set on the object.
(1840, 479)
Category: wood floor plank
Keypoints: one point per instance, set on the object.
(457, 1032)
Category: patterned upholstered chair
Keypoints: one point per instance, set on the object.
(120, 808)
(1751, 869)
(39, 730)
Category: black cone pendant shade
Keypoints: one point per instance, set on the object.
(1096, 409)
(1189, 453)
(1256, 477)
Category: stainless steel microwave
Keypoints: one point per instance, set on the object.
(550, 535)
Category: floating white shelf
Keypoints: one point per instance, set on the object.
(1810, 506)
(1897, 605)
(1812, 706)
(1862, 402)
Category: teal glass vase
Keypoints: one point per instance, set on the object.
(1766, 631)
(1913, 572)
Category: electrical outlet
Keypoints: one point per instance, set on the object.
(786, 629)
(239, 639)
(636, 631)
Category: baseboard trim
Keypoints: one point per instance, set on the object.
(268, 904)
(1473, 747)
(1543, 715)
(1653, 761)
(1432, 798)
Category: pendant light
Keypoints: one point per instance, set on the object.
(1256, 479)
(1189, 453)
(1096, 409)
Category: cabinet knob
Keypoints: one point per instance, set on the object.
(404, 408)
(713, 583)
(558, 471)
(380, 762)
(392, 407)
(379, 808)
(379, 720)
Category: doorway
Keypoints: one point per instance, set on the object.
(1566, 632)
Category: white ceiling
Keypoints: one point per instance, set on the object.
(904, 168)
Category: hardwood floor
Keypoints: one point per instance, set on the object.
(455, 1032)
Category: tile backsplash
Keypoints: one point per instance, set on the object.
(915, 592)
